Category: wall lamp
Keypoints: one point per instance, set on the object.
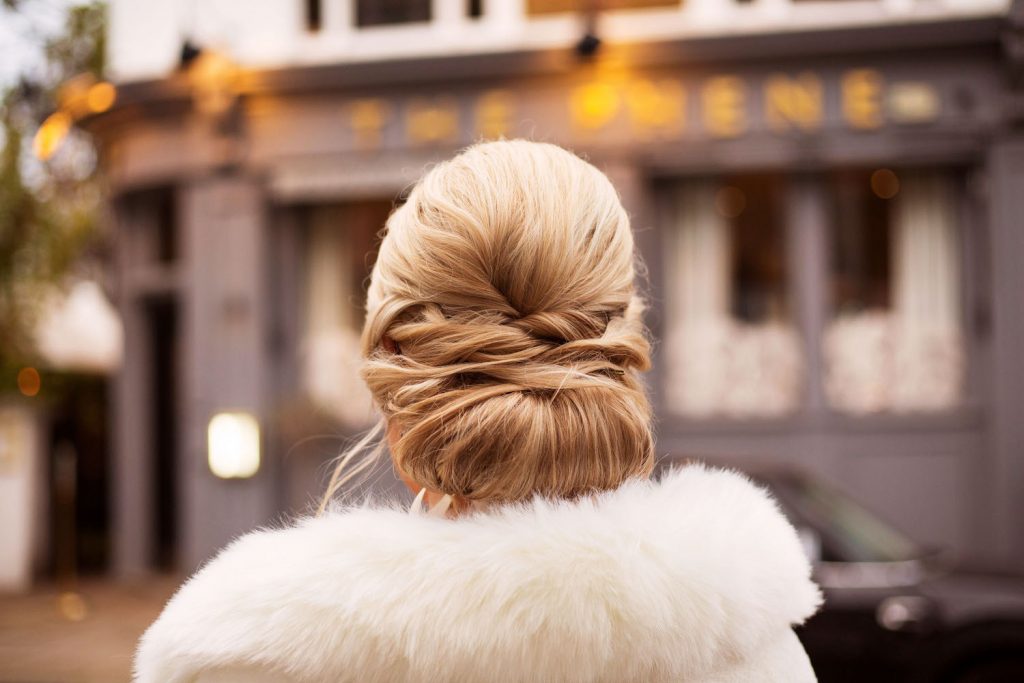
(213, 77)
(233, 445)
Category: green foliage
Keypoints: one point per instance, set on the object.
(49, 211)
(82, 46)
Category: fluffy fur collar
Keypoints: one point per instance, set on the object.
(657, 580)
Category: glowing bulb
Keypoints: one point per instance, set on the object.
(50, 134)
(885, 184)
(100, 97)
(730, 201)
(594, 105)
(233, 442)
(215, 81)
(29, 381)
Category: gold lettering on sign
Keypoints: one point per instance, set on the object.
(790, 102)
(593, 105)
(656, 107)
(432, 121)
(724, 100)
(493, 114)
(367, 118)
(862, 98)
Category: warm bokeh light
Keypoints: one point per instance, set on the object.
(594, 104)
(730, 201)
(73, 95)
(72, 606)
(885, 184)
(233, 440)
(215, 79)
(50, 134)
(29, 382)
(101, 96)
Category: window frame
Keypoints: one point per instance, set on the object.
(807, 235)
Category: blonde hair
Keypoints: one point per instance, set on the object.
(503, 336)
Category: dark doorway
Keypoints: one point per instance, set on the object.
(163, 325)
(79, 473)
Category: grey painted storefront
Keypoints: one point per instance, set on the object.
(336, 134)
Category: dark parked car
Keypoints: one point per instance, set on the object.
(895, 611)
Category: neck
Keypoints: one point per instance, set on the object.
(451, 508)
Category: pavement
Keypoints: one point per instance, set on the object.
(86, 636)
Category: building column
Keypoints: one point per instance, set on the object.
(1005, 174)
(1006, 231)
(225, 356)
(636, 192)
(807, 252)
(637, 196)
(131, 418)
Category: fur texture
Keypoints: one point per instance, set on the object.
(696, 577)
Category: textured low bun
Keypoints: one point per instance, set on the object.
(503, 337)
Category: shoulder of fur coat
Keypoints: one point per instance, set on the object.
(693, 577)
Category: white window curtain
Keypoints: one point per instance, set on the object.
(717, 365)
(330, 359)
(910, 357)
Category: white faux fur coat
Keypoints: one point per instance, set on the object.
(694, 578)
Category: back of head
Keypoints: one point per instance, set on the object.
(503, 335)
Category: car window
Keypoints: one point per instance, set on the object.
(847, 531)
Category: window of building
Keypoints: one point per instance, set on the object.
(730, 345)
(386, 12)
(340, 243)
(894, 342)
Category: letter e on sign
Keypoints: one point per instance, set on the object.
(724, 102)
(862, 98)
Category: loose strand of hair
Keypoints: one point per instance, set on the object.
(340, 477)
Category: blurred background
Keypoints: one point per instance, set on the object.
(828, 195)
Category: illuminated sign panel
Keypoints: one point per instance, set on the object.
(643, 106)
(614, 106)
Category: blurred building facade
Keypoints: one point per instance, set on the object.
(826, 194)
